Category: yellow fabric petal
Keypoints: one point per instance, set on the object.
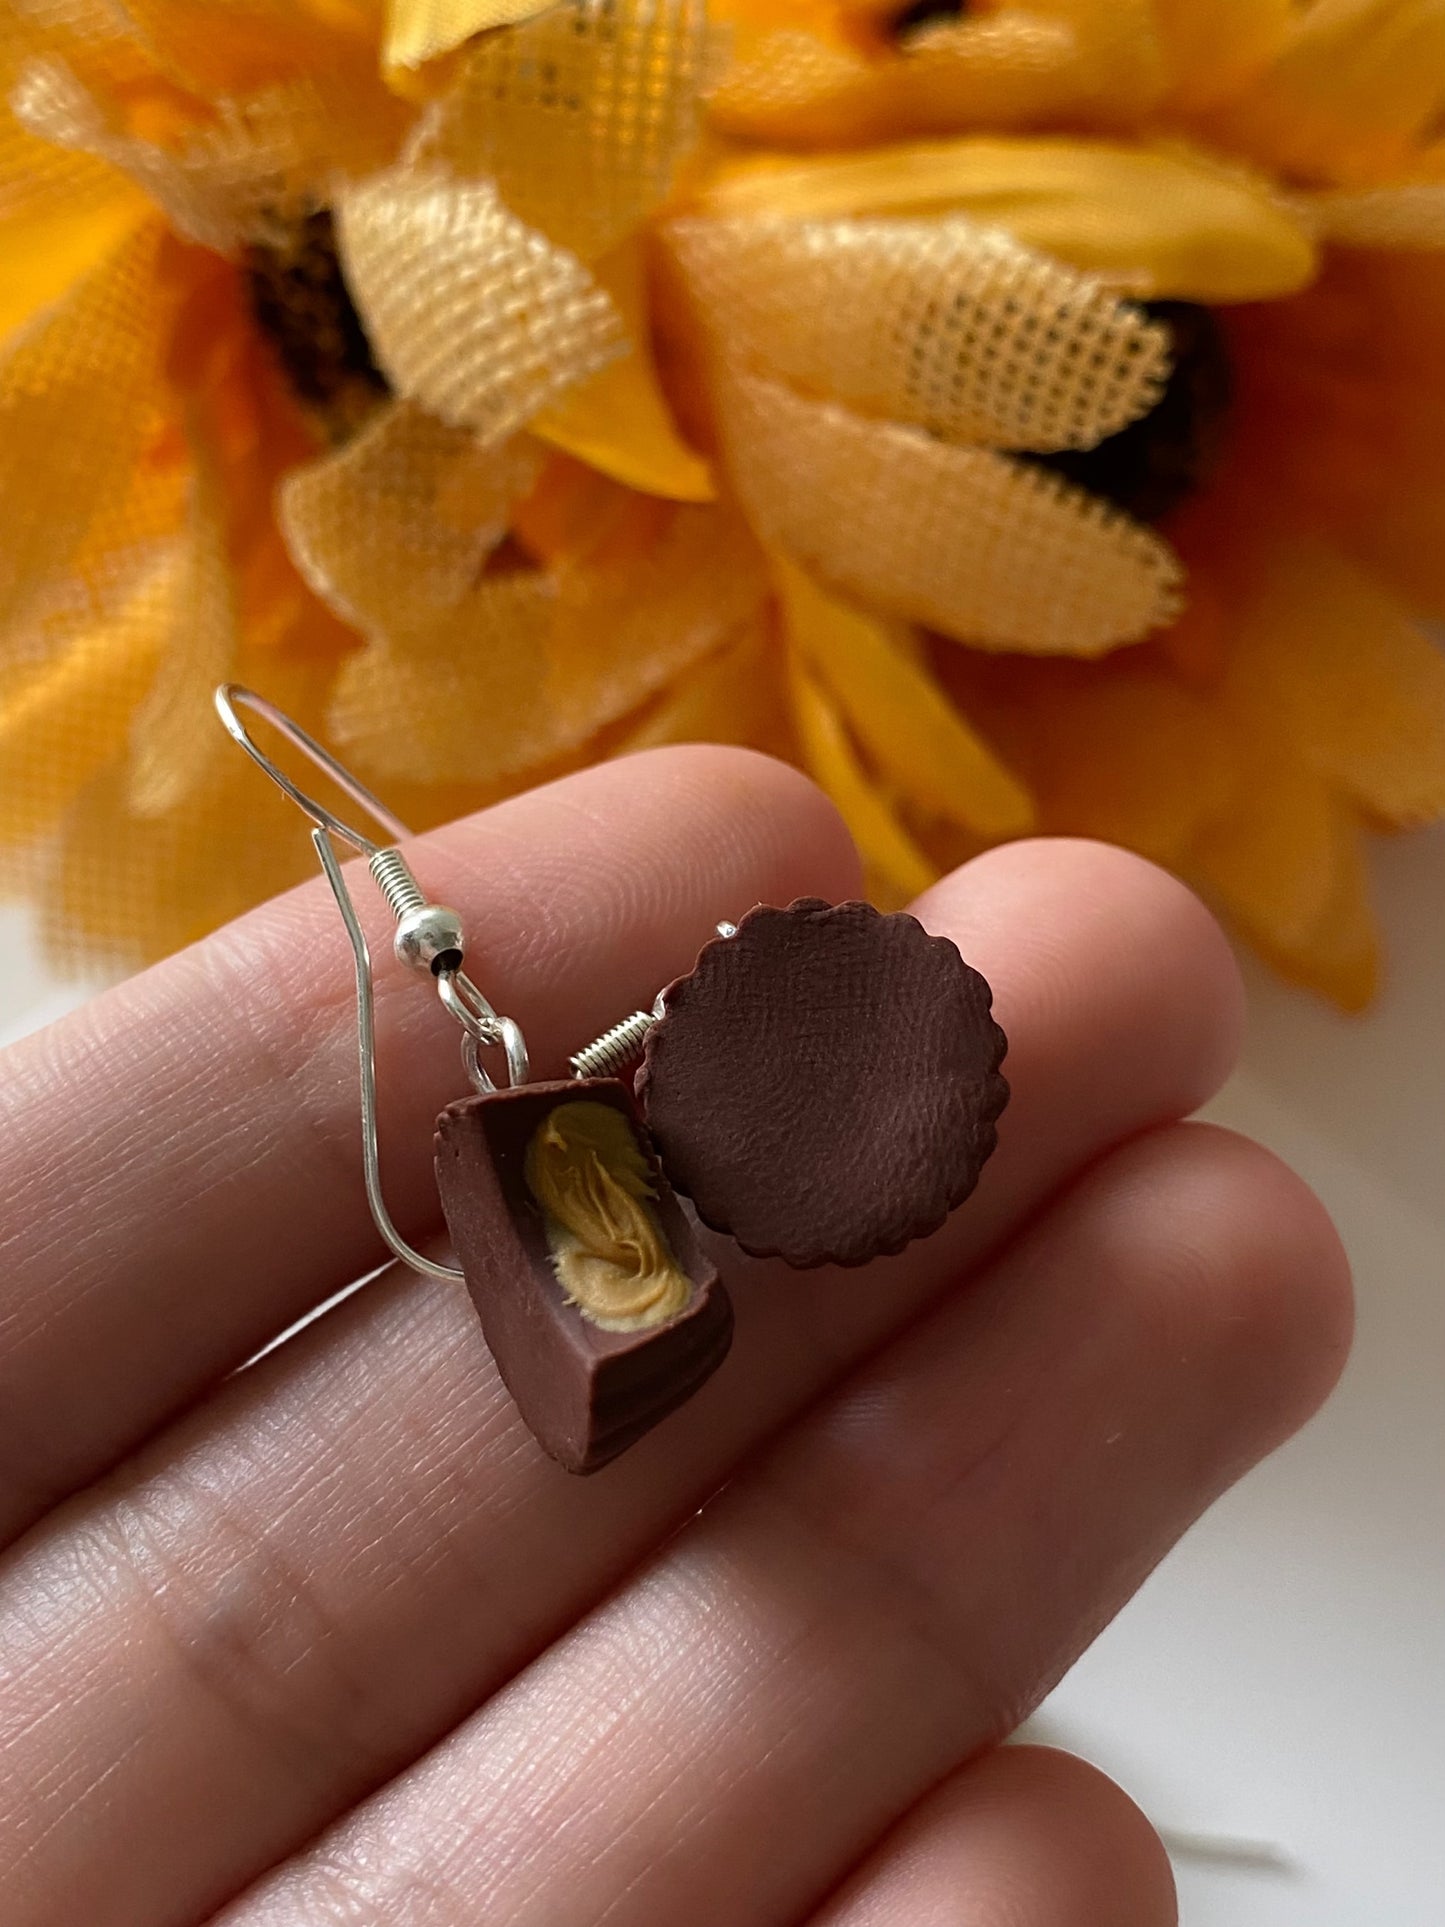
(1114, 750)
(227, 48)
(62, 721)
(912, 733)
(1121, 50)
(1213, 48)
(618, 420)
(945, 324)
(170, 748)
(1079, 64)
(1340, 411)
(1354, 86)
(1401, 547)
(990, 551)
(790, 88)
(530, 664)
(141, 887)
(627, 624)
(737, 695)
(460, 700)
(393, 530)
(1340, 959)
(470, 313)
(581, 116)
(421, 30)
(1274, 858)
(1411, 216)
(1150, 222)
(885, 845)
(1355, 687)
(78, 388)
(1288, 870)
(60, 213)
(48, 248)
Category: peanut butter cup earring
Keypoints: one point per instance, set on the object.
(824, 1085)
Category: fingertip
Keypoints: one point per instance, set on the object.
(1232, 1265)
(1118, 991)
(1023, 1836)
(1118, 1872)
(1279, 1277)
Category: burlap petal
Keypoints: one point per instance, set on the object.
(460, 699)
(531, 664)
(251, 164)
(988, 550)
(421, 30)
(394, 529)
(583, 115)
(470, 312)
(627, 628)
(945, 324)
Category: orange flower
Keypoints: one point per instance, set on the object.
(1269, 181)
(1022, 416)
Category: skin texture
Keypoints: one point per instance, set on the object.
(327, 1639)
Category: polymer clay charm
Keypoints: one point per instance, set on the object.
(825, 1084)
(602, 1314)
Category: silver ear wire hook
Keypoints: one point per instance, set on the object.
(233, 696)
(429, 937)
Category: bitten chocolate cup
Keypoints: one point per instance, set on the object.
(825, 1085)
(585, 1392)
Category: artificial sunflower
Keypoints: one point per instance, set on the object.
(1023, 416)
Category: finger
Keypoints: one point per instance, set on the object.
(180, 1172)
(330, 1518)
(1021, 1837)
(885, 1594)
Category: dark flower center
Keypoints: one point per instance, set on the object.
(302, 304)
(1155, 463)
(920, 14)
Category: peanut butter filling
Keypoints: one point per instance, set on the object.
(586, 1170)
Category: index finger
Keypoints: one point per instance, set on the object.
(180, 1173)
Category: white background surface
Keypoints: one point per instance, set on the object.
(1282, 1677)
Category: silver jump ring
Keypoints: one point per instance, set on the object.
(513, 1044)
(470, 1008)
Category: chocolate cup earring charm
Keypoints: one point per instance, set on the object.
(600, 1310)
(825, 1084)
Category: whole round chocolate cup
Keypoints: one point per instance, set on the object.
(825, 1085)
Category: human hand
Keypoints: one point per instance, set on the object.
(329, 1641)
